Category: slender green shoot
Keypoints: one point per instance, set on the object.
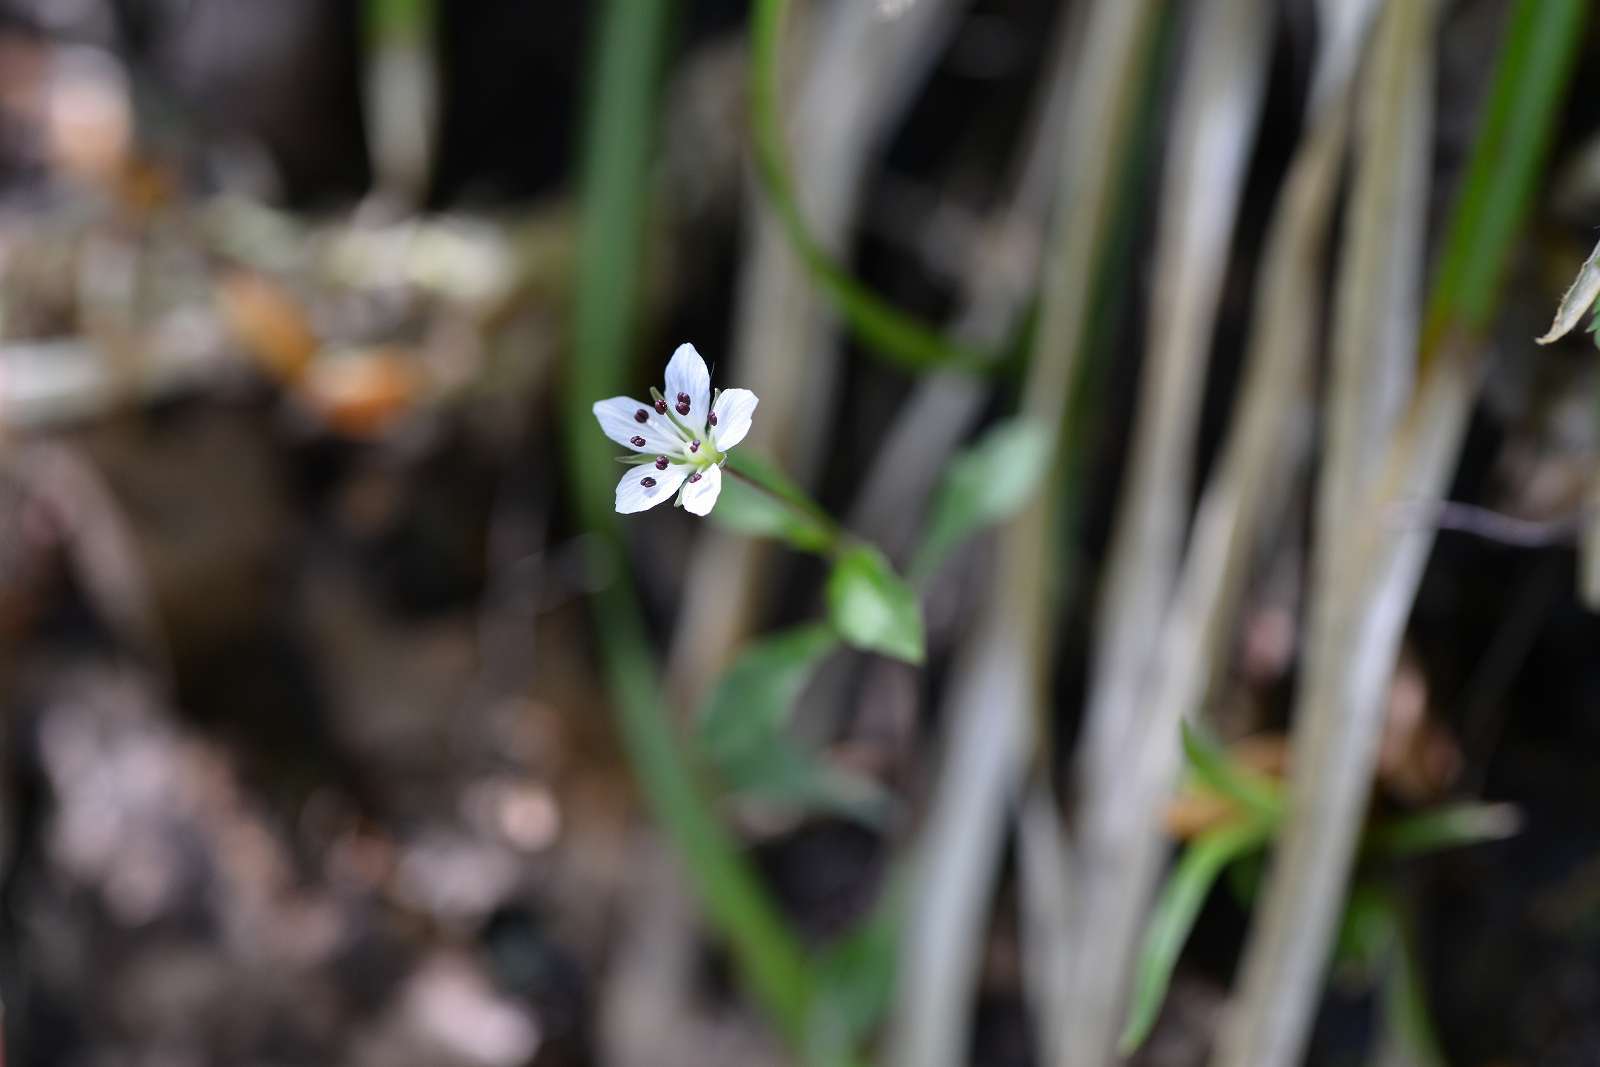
(891, 333)
(1256, 793)
(1508, 155)
(1405, 997)
(1175, 914)
(1448, 826)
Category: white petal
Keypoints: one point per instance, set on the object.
(633, 495)
(734, 409)
(619, 418)
(687, 375)
(700, 497)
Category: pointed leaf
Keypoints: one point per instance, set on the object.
(855, 980)
(741, 732)
(1450, 826)
(780, 771)
(985, 484)
(872, 607)
(1580, 297)
(1255, 792)
(753, 700)
(1186, 890)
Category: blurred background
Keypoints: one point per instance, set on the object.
(1178, 357)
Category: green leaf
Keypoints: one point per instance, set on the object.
(1212, 767)
(1449, 826)
(1245, 877)
(985, 484)
(1366, 929)
(742, 731)
(872, 607)
(1186, 890)
(780, 771)
(854, 979)
(1405, 1009)
(1375, 939)
(753, 700)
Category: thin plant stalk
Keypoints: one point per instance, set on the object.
(1219, 102)
(1356, 628)
(995, 696)
(616, 156)
(885, 329)
(857, 76)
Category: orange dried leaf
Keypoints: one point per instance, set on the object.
(268, 321)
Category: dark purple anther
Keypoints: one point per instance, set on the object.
(683, 403)
(694, 446)
(636, 441)
(713, 418)
(661, 463)
(641, 415)
(695, 477)
(648, 483)
(661, 407)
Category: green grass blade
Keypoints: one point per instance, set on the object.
(757, 692)
(1450, 826)
(1541, 45)
(1405, 1000)
(390, 21)
(1254, 792)
(1174, 917)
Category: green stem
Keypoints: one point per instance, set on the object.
(892, 333)
(769, 480)
(397, 22)
(770, 958)
(619, 142)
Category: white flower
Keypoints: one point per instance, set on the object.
(682, 438)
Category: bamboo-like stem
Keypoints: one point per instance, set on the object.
(1357, 621)
(1354, 639)
(1119, 826)
(1219, 99)
(1218, 102)
(998, 281)
(995, 697)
